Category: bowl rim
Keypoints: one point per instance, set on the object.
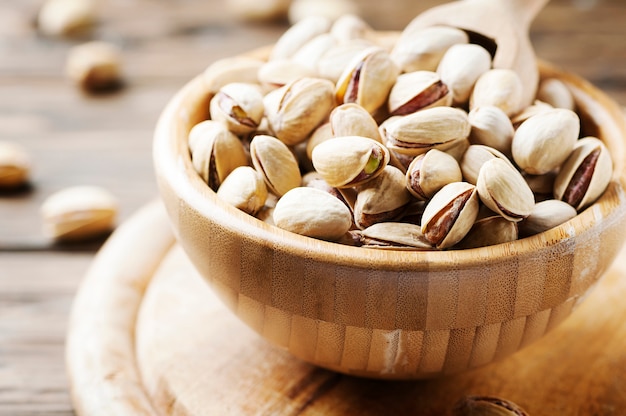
(173, 168)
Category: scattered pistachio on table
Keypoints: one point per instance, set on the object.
(66, 17)
(15, 164)
(413, 146)
(95, 66)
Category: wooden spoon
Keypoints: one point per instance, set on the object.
(504, 21)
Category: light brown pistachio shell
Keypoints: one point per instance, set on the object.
(490, 231)
(66, 17)
(239, 106)
(276, 164)
(244, 189)
(353, 120)
(312, 212)
(537, 107)
(228, 70)
(546, 215)
(430, 172)
(215, 152)
(330, 9)
(460, 68)
(556, 93)
(395, 235)
(491, 127)
(309, 55)
(321, 134)
(501, 88)
(450, 214)
(474, 158)
(279, 72)
(349, 27)
(503, 190)
(544, 141)
(298, 35)
(334, 62)
(585, 174)
(95, 65)
(418, 90)
(15, 165)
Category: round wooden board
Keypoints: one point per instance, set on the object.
(189, 355)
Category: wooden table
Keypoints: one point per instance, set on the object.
(105, 140)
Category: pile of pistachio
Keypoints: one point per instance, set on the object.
(414, 142)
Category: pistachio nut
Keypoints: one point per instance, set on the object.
(395, 235)
(474, 158)
(276, 164)
(460, 68)
(349, 26)
(311, 52)
(367, 80)
(544, 141)
(298, 35)
(66, 17)
(554, 92)
(585, 174)
(537, 107)
(244, 189)
(546, 215)
(79, 213)
(491, 127)
(295, 110)
(95, 66)
(450, 214)
(437, 127)
(486, 406)
(312, 212)
(353, 120)
(490, 231)
(15, 164)
(228, 70)
(503, 190)
(431, 171)
(215, 152)
(280, 72)
(381, 199)
(345, 195)
(423, 49)
(349, 161)
(321, 134)
(418, 90)
(501, 88)
(334, 62)
(239, 106)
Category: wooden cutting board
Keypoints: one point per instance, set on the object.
(147, 336)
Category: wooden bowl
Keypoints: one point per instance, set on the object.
(391, 314)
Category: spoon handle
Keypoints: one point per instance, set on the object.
(524, 11)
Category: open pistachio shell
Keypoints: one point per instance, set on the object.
(474, 158)
(430, 172)
(239, 106)
(490, 231)
(276, 164)
(460, 68)
(418, 90)
(395, 235)
(546, 215)
(501, 88)
(491, 127)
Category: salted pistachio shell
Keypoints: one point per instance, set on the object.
(460, 68)
(486, 406)
(437, 127)
(418, 90)
(554, 92)
(349, 161)
(430, 172)
(334, 62)
(501, 88)
(544, 141)
(349, 26)
(276, 164)
(280, 72)
(381, 199)
(244, 189)
(546, 215)
(474, 158)
(450, 214)
(367, 80)
(395, 235)
(298, 35)
(15, 165)
(312, 51)
(491, 127)
(503, 190)
(79, 213)
(295, 110)
(215, 152)
(537, 107)
(239, 106)
(490, 231)
(229, 70)
(585, 174)
(312, 212)
(353, 120)
(423, 49)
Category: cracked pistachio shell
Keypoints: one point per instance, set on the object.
(504, 191)
(554, 92)
(239, 106)
(460, 68)
(585, 174)
(490, 231)
(450, 214)
(501, 88)
(418, 90)
(280, 72)
(546, 215)
(244, 189)
(430, 172)
(309, 55)
(295, 110)
(367, 80)
(215, 152)
(349, 161)
(381, 199)
(228, 70)
(312, 212)
(353, 120)
(491, 127)
(437, 127)
(276, 164)
(544, 141)
(298, 35)
(423, 49)
(395, 235)
(474, 158)
(537, 107)
(15, 165)
(334, 62)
